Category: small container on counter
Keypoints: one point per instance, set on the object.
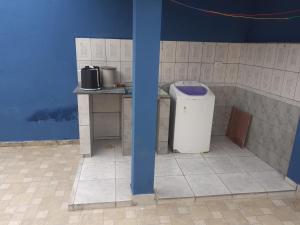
(108, 76)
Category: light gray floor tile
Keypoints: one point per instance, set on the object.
(95, 191)
(252, 164)
(194, 166)
(123, 169)
(172, 187)
(164, 156)
(167, 167)
(272, 181)
(223, 164)
(188, 155)
(102, 151)
(241, 183)
(103, 170)
(120, 156)
(207, 185)
(123, 190)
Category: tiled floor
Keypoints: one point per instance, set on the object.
(35, 185)
(226, 170)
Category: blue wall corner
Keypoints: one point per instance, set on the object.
(294, 167)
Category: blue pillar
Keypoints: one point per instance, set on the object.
(146, 47)
(294, 167)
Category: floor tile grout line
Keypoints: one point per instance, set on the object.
(194, 195)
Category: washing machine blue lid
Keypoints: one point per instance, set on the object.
(192, 90)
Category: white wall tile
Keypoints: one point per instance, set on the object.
(243, 54)
(259, 54)
(207, 70)
(160, 76)
(85, 139)
(297, 93)
(282, 51)
(221, 52)
(250, 54)
(234, 52)
(241, 74)
(182, 51)
(270, 55)
(293, 61)
(83, 49)
(126, 72)
(167, 72)
(118, 66)
(98, 49)
(168, 51)
(181, 71)
(126, 50)
(194, 71)
(277, 81)
(257, 71)
(249, 81)
(113, 49)
(289, 85)
(231, 73)
(266, 79)
(83, 109)
(208, 52)
(99, 63)
(195, 51)
(219, 72)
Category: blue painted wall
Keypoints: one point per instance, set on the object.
(37, 51)
(274, 31)
(180, 23)
(38, 64)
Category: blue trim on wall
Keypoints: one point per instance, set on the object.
(146, 47)
(294, 167)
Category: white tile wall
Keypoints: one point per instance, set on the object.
(126, 72)
(266, 79)
(168, 51)
(182, 51)
(277, 81)
(113, 49)
(126, 50)
(83, 49)
(167, 72)
(289, 85)
(181, 71)
(269, 68)
(84, 109)
(231, 73)
(194, 71)
(297, 94)
(207, 71)
(221, 52)
(208, 52)
(293, 60)
(234, 52)
(270, 55)
(98, 49)
(195, 51)
(219, 72)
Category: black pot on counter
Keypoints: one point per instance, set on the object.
(91, 78)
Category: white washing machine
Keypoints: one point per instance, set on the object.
(192, 109)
